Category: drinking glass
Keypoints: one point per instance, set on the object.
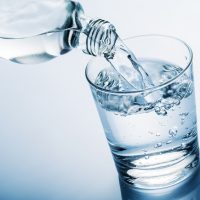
(152, 133)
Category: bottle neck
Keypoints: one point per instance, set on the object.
(100, 38)
(94, 37)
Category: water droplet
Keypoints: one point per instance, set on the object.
(158, 145)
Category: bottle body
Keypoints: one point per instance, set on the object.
(51, 28)
(38, 39)
(72, 30)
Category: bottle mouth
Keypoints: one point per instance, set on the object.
(150, 89)
(101, 37)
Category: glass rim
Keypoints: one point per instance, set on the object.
(151, 89)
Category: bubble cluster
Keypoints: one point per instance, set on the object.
(183, 117)
(190, 134)
(161, 101)
(119, 103)
(173, 95)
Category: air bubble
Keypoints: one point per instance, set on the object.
(183, 145)
(150, 132)
(177, 102)
(162, 124)
(183, 117)
(194, 164)
(161, 111)
(167, 106)
(158, 145)
(157, 109)
(170, 92)
(184, 114)
(169, 142)
(191, 133)
(173, 132)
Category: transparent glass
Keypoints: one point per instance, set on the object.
(152, 133)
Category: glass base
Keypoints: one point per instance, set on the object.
(189, 188)
(159, 170)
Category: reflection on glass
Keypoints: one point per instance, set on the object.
(189, 189)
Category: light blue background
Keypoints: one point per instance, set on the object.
(52, 145)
